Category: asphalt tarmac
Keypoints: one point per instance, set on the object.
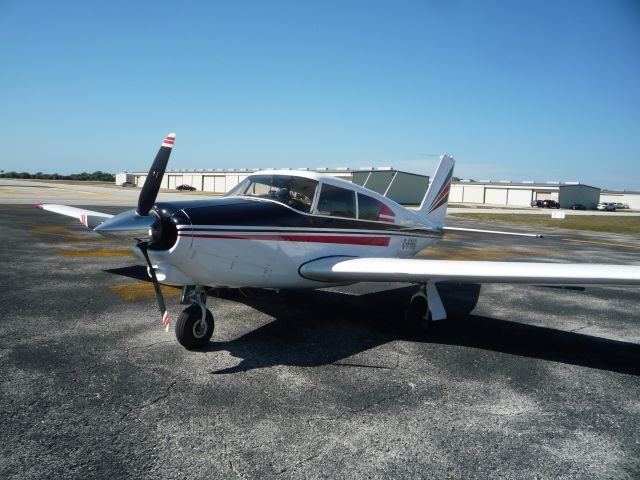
(520, 382)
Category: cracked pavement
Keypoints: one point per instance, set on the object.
(520, 382)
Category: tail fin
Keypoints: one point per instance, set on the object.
(434, 205)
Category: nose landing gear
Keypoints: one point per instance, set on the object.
(195, 324)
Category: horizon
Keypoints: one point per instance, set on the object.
(456, 179)
(513, 91)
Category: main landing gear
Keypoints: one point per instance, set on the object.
(424, 307)
(195, 324)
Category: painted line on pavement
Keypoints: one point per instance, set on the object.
(624, 245)
(132, 292)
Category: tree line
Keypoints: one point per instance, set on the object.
(84, 176)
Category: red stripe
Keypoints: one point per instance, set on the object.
(165, 319)
(374, 241)
(169, 140)
(384, 210)
(442, 194)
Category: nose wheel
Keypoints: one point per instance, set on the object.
(195, 324)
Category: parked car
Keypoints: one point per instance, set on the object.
(186, 187)
(607, 206)
(578, 206)
(621, 205)
(550, 204)
(127, 184)
(536, 203)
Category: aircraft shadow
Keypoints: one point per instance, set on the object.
(320, 327)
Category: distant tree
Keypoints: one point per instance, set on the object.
(98, 176)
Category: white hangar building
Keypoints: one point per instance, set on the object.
(408, 188)
(402, 187)
(507, 193)
(631, 198)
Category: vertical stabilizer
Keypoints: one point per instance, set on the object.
(434, 205)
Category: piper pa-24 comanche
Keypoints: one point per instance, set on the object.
(297, 229)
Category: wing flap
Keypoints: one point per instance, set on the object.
(88, 218)
(418, 271)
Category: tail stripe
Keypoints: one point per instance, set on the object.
(443, 194)
(434, 204)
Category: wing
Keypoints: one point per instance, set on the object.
(342, 269)
(88, 218)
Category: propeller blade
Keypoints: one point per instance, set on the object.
(151, 185)
(126, 223)
(156, 286)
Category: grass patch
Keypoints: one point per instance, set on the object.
(596, 223)
(485, 207)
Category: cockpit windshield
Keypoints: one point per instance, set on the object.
(296, 192)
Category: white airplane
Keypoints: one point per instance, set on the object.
(298, 229)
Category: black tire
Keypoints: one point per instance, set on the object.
(187, 334)
(417, 316)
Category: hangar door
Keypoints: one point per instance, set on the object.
(173, 181)
(547, 196)
(473, 194)
(214, 183)
(455, 194)
(497, 196)
(232, 181)
(543, 195)
(519, 197)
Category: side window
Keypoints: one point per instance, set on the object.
(371, 209)
(337, 202)
(368, 208)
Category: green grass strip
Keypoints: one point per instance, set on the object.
(596, 223)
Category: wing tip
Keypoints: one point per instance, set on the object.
(39, 204)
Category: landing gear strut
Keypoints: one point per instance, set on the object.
(195, 324)
(417, 316)
(423, 309)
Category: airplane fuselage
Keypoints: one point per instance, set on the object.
(239, 241)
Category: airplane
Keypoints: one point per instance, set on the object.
(281, 229)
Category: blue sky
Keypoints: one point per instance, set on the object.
(539, 90)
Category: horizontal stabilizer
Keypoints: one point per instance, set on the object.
(495, 232)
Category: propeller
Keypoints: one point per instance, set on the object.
(156, 286)
(151, 185)
(146, 200)
(132, 222)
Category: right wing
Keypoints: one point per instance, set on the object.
(413, 270)
(88, 218)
